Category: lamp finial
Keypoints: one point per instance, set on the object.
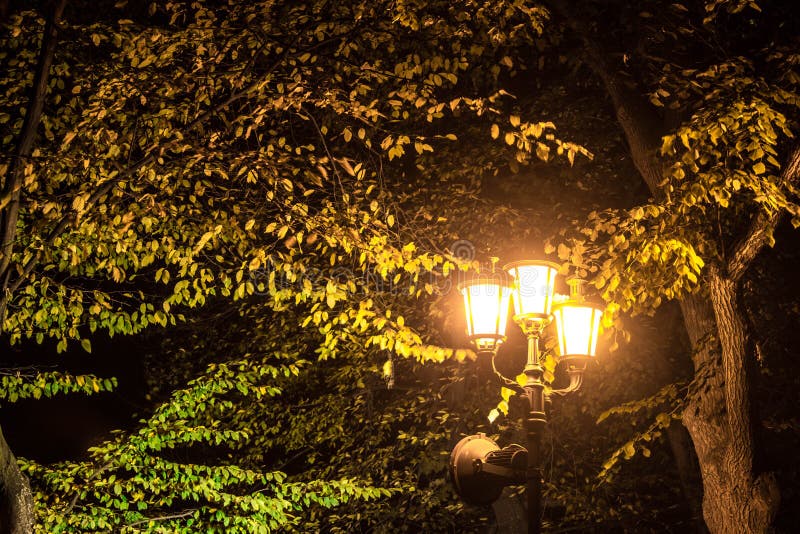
(576, 287)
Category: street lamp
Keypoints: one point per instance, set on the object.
(479, 468)
(487, 298)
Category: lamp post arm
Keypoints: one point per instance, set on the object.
(513, 385)
(575, 382)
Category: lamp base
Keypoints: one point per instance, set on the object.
(575, 362)
(487, 344)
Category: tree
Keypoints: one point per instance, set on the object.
(307, 154)
(709, 128)
(185, 151)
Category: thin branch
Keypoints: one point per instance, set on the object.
(762, 226)
(288, 461)
(185, 513)
(94, 475)
(327, 151)
(507, 382)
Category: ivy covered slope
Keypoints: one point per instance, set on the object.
(165, 156)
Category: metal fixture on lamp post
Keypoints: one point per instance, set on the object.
(479, 468)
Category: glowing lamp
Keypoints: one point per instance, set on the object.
(534, 283)
(486, 303)
(479, 468)
(577, 325)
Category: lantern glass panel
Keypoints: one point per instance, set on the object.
(534, 283)
(486, 306)
(578, 327)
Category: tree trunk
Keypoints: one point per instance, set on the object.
(680, 444)
(718, 414)
(16, 499)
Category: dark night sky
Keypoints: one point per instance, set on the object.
(64, 426)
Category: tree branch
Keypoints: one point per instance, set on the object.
(16, 499)
(185, 513)
(10, 198)
(761, 227)
(641, 125)
(94, 475)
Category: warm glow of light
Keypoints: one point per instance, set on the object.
(578, 326)
(486, 306)
(534, 283)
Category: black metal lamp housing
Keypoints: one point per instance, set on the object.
(480, 469)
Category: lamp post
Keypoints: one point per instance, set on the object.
(478, 467)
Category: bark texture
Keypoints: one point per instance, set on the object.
(718, 415)
(16, 499)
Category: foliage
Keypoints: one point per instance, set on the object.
(720, 165)
(304, 170)
(168, 163)
(660, 422)
(19, 385)
(727, 97)
(146, 481)
(262, 153)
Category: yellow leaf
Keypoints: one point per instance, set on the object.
(388, 368)
(629, 449)
(203, 240)
(495, 131)
(509, 138)
(68, 139)
(78, 203)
